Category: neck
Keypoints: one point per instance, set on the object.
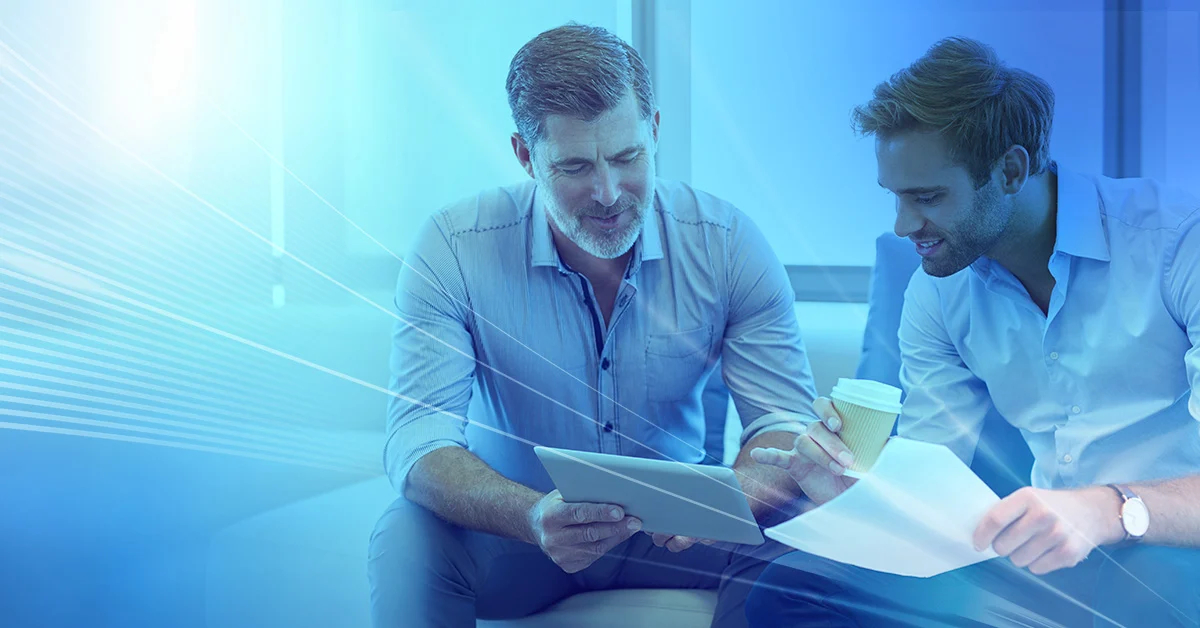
(1028, 242)
(594, 268)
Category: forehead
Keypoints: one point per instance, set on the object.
(614, 130)
(912, 159)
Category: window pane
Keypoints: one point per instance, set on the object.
(427, 113)
(773, 84)
(1170, 93)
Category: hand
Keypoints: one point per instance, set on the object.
(1047, 530)
(575, 535)
(675, 542)
(817, 459)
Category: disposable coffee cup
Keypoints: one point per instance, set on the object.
(868, 410)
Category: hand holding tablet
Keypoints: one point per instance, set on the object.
(671, 498)
(574, 535)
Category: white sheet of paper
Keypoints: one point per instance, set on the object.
(914, 514)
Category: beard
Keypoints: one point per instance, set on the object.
(972, 238)
(595, 240)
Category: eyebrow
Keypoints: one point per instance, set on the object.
(572, 161)
(918, 190)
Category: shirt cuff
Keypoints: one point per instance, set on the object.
(400, 463)
(793, 422)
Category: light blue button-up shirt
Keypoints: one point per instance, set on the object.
(1101, 384)
(491, 310)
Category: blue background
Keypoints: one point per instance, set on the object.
(168, 372)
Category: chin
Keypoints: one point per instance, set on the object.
(934, 269)
(606, 250)
(943, 267)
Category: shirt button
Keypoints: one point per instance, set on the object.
(1053, 355)
(1076, 409)
(608, 427)
(1067, 459)
(604, 364)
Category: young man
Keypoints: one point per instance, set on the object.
(589, 306)
(1069, 303)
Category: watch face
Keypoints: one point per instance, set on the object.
(1135, 517)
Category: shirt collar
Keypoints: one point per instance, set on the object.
(542, 251)
(648, 246)
(1080, 222)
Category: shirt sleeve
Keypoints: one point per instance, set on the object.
(764, 363)
(433, 357)
(1182, 289)
(945, 403)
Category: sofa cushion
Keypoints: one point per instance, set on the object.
(632, 608)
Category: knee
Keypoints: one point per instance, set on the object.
(785, 588)
(766, 598)
(409, 540)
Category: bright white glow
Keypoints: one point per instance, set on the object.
(149, 84)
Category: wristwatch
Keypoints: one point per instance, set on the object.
(1134, 516)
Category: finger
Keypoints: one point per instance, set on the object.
(810, 450)
(1060, 557)
(601, 548)
(775, 457)
(1000, 517)
(584, 512)
(831, 443)
(823, 406)
(1028, 527)
(1034, 548)
(707, 541)
(660, 539)
(680, 543)
(588, 533)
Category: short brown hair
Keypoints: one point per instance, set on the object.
(575, 70)
(981, 106)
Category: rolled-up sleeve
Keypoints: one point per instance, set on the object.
(1182, 290)
(764, 363)
(433, 358)
(945, 403)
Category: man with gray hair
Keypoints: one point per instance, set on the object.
(586, 308)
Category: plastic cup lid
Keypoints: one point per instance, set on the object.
(867, 393)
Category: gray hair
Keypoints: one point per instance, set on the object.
(574, 70)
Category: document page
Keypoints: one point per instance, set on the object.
(913, 514)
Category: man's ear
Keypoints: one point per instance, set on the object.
(654, 129)
(1014, 170)
(524, 156)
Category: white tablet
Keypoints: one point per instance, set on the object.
(700, 501)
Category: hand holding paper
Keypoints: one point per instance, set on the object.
(914, 514)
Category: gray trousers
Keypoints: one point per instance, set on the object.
(426, 572)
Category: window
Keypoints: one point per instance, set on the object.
(1170, 93)
(773, 84)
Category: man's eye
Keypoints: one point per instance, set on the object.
(927, 199)
(572, 170)
(626, 160)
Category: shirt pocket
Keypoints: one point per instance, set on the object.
(675, 362)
